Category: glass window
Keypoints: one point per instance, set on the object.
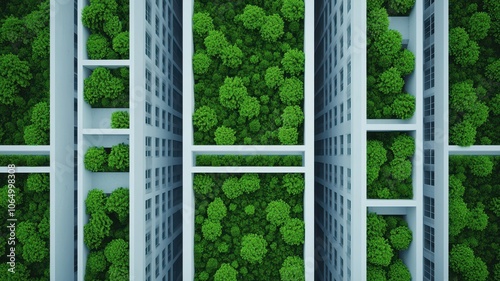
(148, 45)
(429, 27)
(429, 207)
(428, 270)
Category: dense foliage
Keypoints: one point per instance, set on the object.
(106, 235)
(245, 232)
(389, 166)
(24, 72)
(474, 72)
(100, 159)
(120, 120)
(388, 63)
(32, 211)
(107, 87)
(248, 67)
(474, 212)
(386, 236)
(108, 22)
(250, 160)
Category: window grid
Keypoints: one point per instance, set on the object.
(428, 270)
(148, 45)
(429, 178)
(429, 131)
(429, 27)
(429, 238)
(429, 106)
(429, 207)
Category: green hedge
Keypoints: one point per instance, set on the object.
(98, 159)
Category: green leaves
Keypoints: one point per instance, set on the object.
(118, 159)
(232, 92)
(202, 24)
(201, 63)
(273, 28)
(292, 269)
(14, 74)
(293, 62)
(250, 107)
(278, 212)
(224, 136)
(216, 210)
(274, 77)
(401, 238)
(96, 159)
(101, 85)
(120, 120)
(293, 231)
(253, 17)
(118, 203)
(226, 273)
(292, 91)
(211, 230)
(379, 251)
(293, 10)
(203, 184)
(253, 248)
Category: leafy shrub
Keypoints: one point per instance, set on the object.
(463, 133)
(293, 10)
(493, 71)
(215, 42)
(274, 77)
(116, 252)
(95, 201)
(376, 225)
(399, 272)
(377, 155)
(375, 273)
(401, 169)
(403, 106)
(379, 251)
(292, 269)
(390, 82)
(253, 17)
(216, 210)
(250, 210)
(96, 230)
(273, 28)
(211, 230)
(14, 75)
(481, 165)
(288, 136)
(401, 238)
(377, 21)
(249, 183)
(403, 146)
(101, 84)
(292, 91)
(464, 51)
(202, 24)
(278, 212)
(232, 92)
(201, 63)
(224, 136)
(292, 116)
(96, 262)
(38, 182)
(293, 231)
(205, 118)
(249, 107)
(478, 26)
(405, 63)
(231, 56)
(400, 7)
(294, 183)
(203, 184)
(293, 62)
(99, 47)
(118, 203)
(231, 188)
(121, 44)
(120, 120)
(119, 157)
(226, 273)
(253, 248)
(96, 159)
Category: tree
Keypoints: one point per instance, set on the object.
(118, 273)
(399, 272)
(224, 136)
(215, 42)
(101, 84)
(216, 210)
(375, 273)
(119, 157)
(403, 106)
(232, 92)
(478, 219)
(390, 82)
(96, 230)
(96, 159)
(12, 30)
(249, 107)
(405, 63)
(403, 146)
(294, 183)
(22, 273)
(274, 77)
(231, 188)
(231, 56)
(225, 273)
(292, 269)
(38, 132)
(293, 62)
(205, 118)
(386, 49)
(249, 183)
(95, 202)
(401, 169)
(96, 263)
(463, 133)
(38, 182)
(478, 26)
(203, 184)
(25, 230)
(458, 216)
(202, 24)
(211, 230)
(116, 252)
(464, 51)
(376, 225)
(118, 202)
(288, 136)
(121, 44)
(462, 95)
(478, 271)
(376, 156)
(293, 10)
(292, 91)
(273, 28)
(120, 120)
(250, 210)
(401, 238)
(95, 15)
(254, 125)
(400, 7)
(379, 252)
(201, 63)
(377, 22)
(99, 47)
(14, 75)
(293, 231)
(480, 165)
(253, 248)
(461, 258)
(493, 71)
(277, 212)
(253, 17)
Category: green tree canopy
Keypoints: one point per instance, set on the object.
(14, 75)
(379, 252)
(377, 155)
(215, 42)
(403, 146)
(293, 62)
(232, 92)
(201, 63)
(292, 269)
(96, 262)
(203, 184)
(211, 230)
(95, 202)
(116, 252)
(292, 91)
(288, 136)
(96, 230)
(253, 17)
(478, 26)
(377, 21)
(118, 203)
(390, 82)
(274, 77)
(401, 237)
(231, 56)
(464, 51)
(293, 231)
(399, 272)
(231, 188)
(226, 273)
(216, 210)
(294, 183)
(205, 118)
(224, 136)
(120, 120)
(278, 212)
(249, 183)
(101, 84)
(253, 248)
(400, 7)
(249, 107)
(38, 182)
(119, 157)
(273, 28)
(376, 225)
(202, 24)
(403, 106)
(293, 10)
